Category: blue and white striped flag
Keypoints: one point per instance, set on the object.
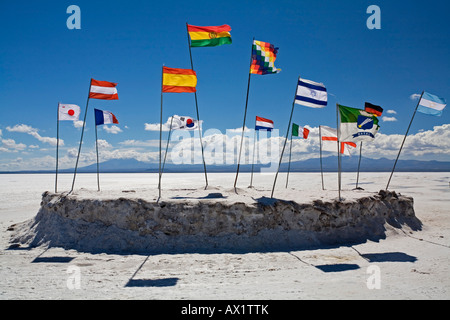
(311, 94)
(431, 104)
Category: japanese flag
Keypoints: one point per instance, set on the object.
(68, 112)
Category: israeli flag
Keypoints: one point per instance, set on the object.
(311, 94)
(431, 104)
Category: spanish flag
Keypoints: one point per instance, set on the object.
(179, 80)
(209, 36)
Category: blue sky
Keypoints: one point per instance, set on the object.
(42, 62)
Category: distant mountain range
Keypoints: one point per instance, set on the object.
(312, 165)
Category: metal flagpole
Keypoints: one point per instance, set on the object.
(404, 138)
(160, 133)
(167, 146)
(359, 165)
(96, 147)
(245, 115)
(253, 161)
(81, 139)
(196, 107)
(57, 149)
(321, 168)
(285, 140)
(338, 150)
(289, 165)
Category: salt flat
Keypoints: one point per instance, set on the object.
(411, 264)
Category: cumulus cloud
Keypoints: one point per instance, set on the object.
(113, 129)
(389, 119)
(23, 128)
(415, 96)
(9, 145)
(391, 111)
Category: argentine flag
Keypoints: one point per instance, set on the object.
(311, 94)
(431, 104)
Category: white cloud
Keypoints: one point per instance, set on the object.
(155, 126)
(78, 124)
(113, 129)
(415, 96)
(23, 128)
(12, 146)
(391, 111)
(389, 119)
(140, 143)
(103, 144)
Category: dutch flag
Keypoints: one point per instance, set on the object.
(263, 124)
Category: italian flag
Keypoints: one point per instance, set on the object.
(209, 36)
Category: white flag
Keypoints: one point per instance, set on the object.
(311, 94)
(184, 123)
(69, 112)
(329, 141)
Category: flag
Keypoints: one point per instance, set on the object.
(371, 108)
(263, 124)
(69, 112)
(209, 36)
(179, 80)
(431, 104)
(184, 123)
(103, 90)
(329, 141)
(297, 130)
(357, 125)
(104, 117)
(311, 94)
(264, 55)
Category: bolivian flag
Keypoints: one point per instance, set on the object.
(209, 36)
(179, 80)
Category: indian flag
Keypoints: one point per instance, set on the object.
(209, 36)
(179, 80)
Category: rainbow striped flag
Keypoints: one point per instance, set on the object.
(264, 55)
(209, 36)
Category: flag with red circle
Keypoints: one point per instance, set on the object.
(69, 112)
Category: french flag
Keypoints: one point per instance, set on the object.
(103, 90)
(263, 124)
(104, 117)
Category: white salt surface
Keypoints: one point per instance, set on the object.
(411, 265)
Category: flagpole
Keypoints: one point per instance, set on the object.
(160, 133)
(338, 150)
(289, 165)
(81, 139)
(359, 165)
(253, 161)
(167, 146)
(245, 115)
(57, 148)
(404, 138)
(96, 147)
(285, 140)
(196, 107)
(321, 168)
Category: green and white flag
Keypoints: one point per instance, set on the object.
(357, 125)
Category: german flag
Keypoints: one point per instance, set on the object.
(179, 80)
(371, 108)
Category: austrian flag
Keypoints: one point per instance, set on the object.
(103, 90)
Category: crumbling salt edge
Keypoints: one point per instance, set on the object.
(139, 226)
